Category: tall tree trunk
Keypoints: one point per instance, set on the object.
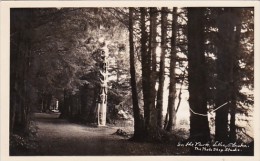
(136, 110)
(159, 105)
(20, 64)
(234, 91)
(152, 80)
(225, 65)
(25, 90)
(172, 87)
(14, 57)
(145, 70)
(199, 125)
(235, 77)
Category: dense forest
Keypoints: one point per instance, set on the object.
(101, 65)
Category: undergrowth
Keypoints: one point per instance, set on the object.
(24, 144)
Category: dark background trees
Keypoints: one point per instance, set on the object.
(226, 68)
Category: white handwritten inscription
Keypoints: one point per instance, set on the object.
(215, 146)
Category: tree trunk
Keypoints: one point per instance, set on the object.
(92, 114)
(14, 57)
(199, 125)
(172, 87)
(152, 66)
(19, 70)
(137, 121)
(84, 99)
(235, 78)
(159, 105)
(145, 70)
(65, 108)
(48, 100)
(225, 65)
(25, 101)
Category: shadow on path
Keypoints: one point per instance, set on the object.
(58, 137)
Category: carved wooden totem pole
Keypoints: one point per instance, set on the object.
(102, 99)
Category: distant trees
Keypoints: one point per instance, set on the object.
(58, 60)
(87, 49)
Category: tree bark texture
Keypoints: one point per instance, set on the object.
(152, 53)
(137, 121)
(20, 55)
(235, 88)
(172, 87)
(146, 71)
(199, 125)
(225, 82)
(159, 105)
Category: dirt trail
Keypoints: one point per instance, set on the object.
(58, 137)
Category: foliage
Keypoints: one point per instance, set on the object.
(24, 145)
(244, 55)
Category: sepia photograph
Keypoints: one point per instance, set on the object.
(131, 81)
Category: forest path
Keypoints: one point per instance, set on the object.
(58, 137)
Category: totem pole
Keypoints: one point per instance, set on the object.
(102, 98)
